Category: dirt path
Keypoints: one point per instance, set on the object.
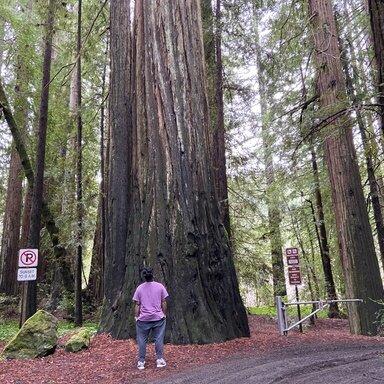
(265, 357)
(357, 363)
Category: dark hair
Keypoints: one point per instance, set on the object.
(147, 274)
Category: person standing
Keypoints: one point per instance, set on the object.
(150, 315)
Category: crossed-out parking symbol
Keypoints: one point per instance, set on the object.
(28, 257)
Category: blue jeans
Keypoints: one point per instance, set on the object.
(142, 332)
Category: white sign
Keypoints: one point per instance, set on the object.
(26, 274)
(28, 258)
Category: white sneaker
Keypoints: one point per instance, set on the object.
(140, 365)
(160, 363)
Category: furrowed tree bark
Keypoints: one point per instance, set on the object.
(174, 218)
(118, 187)
(29, 304)
(373, 185)
(357, 252)
(376, 13)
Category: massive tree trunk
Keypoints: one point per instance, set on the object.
(119, 160)
(376, 11)
(351, 83)
(359, 261)
(174, 219)
(30, 292)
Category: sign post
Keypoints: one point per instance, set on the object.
(28, 261)
(294, 276)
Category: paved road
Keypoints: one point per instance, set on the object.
(317, 364)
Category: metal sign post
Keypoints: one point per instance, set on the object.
(294, 276)
(27, 272)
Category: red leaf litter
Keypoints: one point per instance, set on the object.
(110, 361)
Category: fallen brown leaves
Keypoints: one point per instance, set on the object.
(114, 361)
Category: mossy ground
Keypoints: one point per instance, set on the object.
(9, 328)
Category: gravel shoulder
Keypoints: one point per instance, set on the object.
(352, 363)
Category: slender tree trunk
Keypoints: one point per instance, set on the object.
(30, 292)
(96, 277)
(11, 227)
(79, 181)
(26, 219)
(323, 239)
(359, 261)
(174, 218)
(219, 160)
(376, 12)
(12, 215)
(212, 31)
(274, 215)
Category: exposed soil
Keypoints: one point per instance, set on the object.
(114, 361)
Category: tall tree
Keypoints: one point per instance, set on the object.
(323, 239)
(212, 37)
(376, 12)
(79, 178)
(174, 219)
(352, 81)
(30, 292)
(274, 215)
(96, 276)
(357, 252)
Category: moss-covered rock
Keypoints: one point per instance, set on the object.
(36, 338)
(80, 340)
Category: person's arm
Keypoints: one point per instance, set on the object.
(164, 307)
(137, 310)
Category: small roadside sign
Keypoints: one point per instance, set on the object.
(28, 258)
(26, 274)
(294, 275)
(293, 260)
(292, 255)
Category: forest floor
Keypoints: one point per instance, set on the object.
(114, 361)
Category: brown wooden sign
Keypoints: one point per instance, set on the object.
(294, 275)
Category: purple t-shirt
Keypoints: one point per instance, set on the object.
(150, 295)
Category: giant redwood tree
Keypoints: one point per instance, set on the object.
(172, 212)
(376, 12)
(356, 246)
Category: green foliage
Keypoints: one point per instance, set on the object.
(292, 311)
(8, 328)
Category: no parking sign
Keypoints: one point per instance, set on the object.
(28, 258)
